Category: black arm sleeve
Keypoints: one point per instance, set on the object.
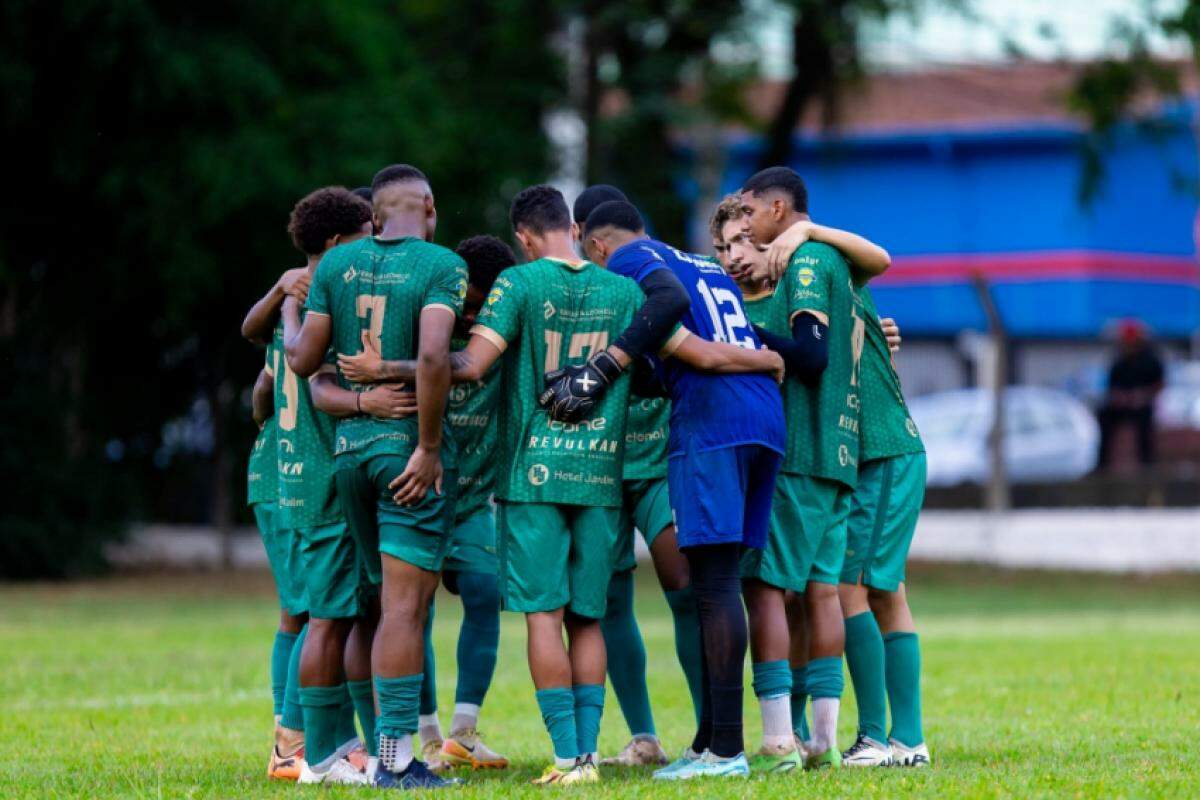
(806, 354)
(666, 303)
(646, 381)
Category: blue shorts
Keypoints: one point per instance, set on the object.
(722, 496)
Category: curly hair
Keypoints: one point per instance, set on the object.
(323, 214)
(486, 257)
(540, 208)
(729, 208)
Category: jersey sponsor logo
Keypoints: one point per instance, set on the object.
(287, 446)
(538, 474)
(495, 295)
(852, 401)
(563, 443)
(548, 309)
(291, 469)
(461, 289)
(844, 457)
(349, 274)
(595, 424)
(579, 477)
(806, 276)
(637, 437)
(848, 423)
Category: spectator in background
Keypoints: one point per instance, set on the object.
(1134, 380)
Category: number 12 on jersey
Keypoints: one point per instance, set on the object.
(726, 323)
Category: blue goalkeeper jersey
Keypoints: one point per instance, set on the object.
(709, 411)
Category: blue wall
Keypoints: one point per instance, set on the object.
(979, 198)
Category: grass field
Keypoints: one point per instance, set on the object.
(1035, 685)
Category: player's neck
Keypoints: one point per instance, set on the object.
(402, 227)
(558, 245)
(312, 263)
(791, 218)
(752, 287)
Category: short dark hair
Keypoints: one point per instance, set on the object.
(540, 208)
(593, 196)
(486, 257)
(396, 173)
(323, 214)
(782, 179)
(617, 214)
(364, 192)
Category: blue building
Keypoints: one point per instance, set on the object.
(998, 190)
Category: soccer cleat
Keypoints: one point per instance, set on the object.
(830, 759)
(551, 775)
(771, 760)
(285, 768)
(711, 766)
(466, 748)
(341, 773)
(431, 753)
(668, 772)
(358, 757)
(415, 776)
(867, 752)
(587, 771)
(905, 756)
(642, 751)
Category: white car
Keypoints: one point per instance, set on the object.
(1049, 435)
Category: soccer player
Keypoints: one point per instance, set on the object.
(396, 478)
(283, 557)
(746, 261)
(816, 319)
(726, 442)
(471, 565)
(646, 506)
(309, 512)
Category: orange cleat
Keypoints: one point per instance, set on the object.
(285, 768)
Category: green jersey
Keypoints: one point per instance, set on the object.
(470, 412)
(378, 288)
(887, 428)
(822, 421)
(547, 314)
(261, 472)
(646, 434)
(307, 495)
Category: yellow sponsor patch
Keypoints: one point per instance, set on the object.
(495, 295)
(805, 275)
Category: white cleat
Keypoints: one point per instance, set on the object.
(341, 773)
(904, 756)
(867, 752)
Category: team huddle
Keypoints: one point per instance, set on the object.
(433, 417)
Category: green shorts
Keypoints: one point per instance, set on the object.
(473, 545)
(335, 582)
(418, 535)
(646, 506)
(883, 518)
(553, 556)
(283, 554)
(806, 539)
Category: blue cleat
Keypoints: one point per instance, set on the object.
(708, 766)
(415, 776)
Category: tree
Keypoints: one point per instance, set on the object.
(154, 152)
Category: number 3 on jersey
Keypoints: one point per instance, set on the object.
(726, 323)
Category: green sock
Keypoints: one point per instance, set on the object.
(346, 729)
(903, 670)
(864, 657)
(399, 702)
(363, 696)
(429, 681)
(479, 636)
(558, 715)
(589, 707)
(799, 703)
(322, 708)
(771, 678)
(293, 714)
(825, 678)
(627, 655)
(281, 656)
(687, 641)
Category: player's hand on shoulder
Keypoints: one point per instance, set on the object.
(779, 254)
(891, 332)
(389, 401)
(295, 283)
(571, 393)
(363, 367)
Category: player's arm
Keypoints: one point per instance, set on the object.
(466, 366)
(867, 260)
(259, 324)
(891, 332)
(806, 353)
(262, 399)
(389, 401)
(305, 344)
(720, 357)
(424, 468)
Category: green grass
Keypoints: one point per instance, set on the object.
(1035, 685)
